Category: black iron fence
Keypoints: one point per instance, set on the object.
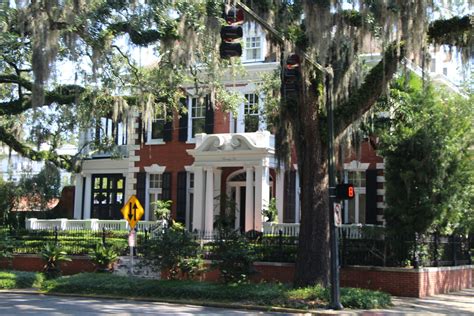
(74, 242)
(368, 249)
(420, 251)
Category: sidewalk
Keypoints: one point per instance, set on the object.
(456, 303)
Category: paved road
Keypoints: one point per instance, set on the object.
(19, 303)
(29, 304)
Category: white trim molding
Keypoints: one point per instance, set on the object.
(155, 168)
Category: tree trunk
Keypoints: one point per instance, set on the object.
(312, 263)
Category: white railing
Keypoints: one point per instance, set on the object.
(358, 231)
(83, 224)
(287, 229)
(350, 231)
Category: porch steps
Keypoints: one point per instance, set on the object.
(122, 268)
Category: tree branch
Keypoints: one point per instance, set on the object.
(65, 94)
(61, 161)
(375, 83)
(456, 31)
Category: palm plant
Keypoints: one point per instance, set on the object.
(53, 254)
(104, 258)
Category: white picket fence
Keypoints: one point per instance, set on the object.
(83, 224)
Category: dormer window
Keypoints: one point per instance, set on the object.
(254, 43)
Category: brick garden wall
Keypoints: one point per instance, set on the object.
(396, 281)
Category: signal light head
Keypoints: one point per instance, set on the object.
(345, 191)
(234, 16)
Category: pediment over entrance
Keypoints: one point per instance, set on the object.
(234, 142)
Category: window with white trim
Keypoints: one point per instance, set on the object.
(156, 129)
(355, 208)
(253, 48)
(251, 113)
(254, 43)
(197, 116)
(155, 190)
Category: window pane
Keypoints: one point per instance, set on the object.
(157, 129)
(251, 123)
(198, 126)
(156, 181)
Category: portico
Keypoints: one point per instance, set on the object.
(250, 156)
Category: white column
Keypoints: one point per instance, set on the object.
(78, 196)
(280, 193)
(87, 197)
(297, 197)
(249, 200)
(217, 190)
(262, 194)
(198, 210)
(209, 208)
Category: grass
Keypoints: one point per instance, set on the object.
(265, 294)
(20, 279)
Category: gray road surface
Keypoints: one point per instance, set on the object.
(29, 304)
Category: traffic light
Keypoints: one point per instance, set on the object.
(232, 33)
(291, 75)
(345, 191)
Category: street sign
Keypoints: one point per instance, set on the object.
(132, 211)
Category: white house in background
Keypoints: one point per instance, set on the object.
(14, 167)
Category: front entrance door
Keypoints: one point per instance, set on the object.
(237, 194)
(108, 192)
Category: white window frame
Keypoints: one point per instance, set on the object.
(237, 123)
(191, 137)
(354, 166)
(152, 170)
(150, 140)
(253, 30)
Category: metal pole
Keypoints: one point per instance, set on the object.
(335, 291)
(131, 241)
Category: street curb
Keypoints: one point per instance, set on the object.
(188, 302)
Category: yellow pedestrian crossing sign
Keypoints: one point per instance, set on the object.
(132, 211)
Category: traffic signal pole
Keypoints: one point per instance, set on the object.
(335, 290)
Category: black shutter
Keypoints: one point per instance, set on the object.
(181, 198)
(141, 187)
(183, 121)
(209, 123)
(371, 196)
(289, 214)
(167, 131)
(166, 189)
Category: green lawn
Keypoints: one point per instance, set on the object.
(20, 279)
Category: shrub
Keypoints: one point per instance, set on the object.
(53, 254)
(104, 258)
(266, 294)
(173, 249)
(233, 257)
(364, 299)
(6, 246)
